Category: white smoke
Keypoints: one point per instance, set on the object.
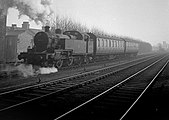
(37, 10)
(47, 70)
(28, 70)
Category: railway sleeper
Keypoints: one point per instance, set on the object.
(110, 104)
(47, 89)
(30, 95)
(23, 98)
(42, 91)
(120, 98)
(110, 109)
(52, 87)
(129, 94)
(18, 98)
(4, 105)
(98, 114)
(33, 94)
(128, 91)
(9, 101)
(131, 89)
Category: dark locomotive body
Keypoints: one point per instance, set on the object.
(72, 47)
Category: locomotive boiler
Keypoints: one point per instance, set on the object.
(57, 49)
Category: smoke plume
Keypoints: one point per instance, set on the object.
(37, 10)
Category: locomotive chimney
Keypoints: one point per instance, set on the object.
(3, 17)
(58, 31)
(47, 28)
(25, 25)
(14, 26)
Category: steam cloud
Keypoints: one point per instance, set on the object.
(37, 10)
(28, 70)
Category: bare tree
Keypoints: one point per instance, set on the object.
(66, 23)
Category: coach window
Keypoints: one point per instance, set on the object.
(109, 43)
(114, 43)
(105, 43)
(98, 43)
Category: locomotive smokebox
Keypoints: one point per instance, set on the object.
(58, 31)
(47, 28)
(3, 16)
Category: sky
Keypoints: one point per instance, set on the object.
(147, 20)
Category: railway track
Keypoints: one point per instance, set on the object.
(155, 101)
(116, 102)
(13, 99)
(16, 83)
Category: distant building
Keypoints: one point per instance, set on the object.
(165, 45)
(18, 39)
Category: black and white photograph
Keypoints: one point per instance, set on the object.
(84, 59)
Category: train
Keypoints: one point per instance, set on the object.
(73, 47)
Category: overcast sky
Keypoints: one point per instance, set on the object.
(147, 20)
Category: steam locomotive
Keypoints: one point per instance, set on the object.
(73, 47)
